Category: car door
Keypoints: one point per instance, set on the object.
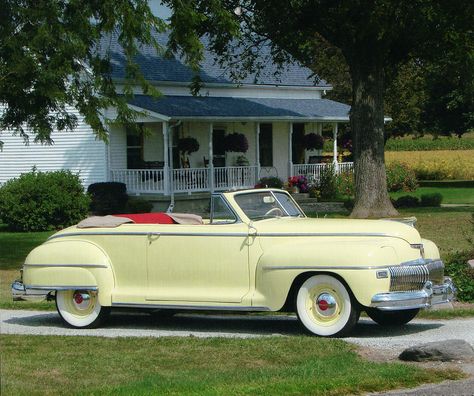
(198, 263)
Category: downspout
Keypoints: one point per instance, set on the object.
(170, 154)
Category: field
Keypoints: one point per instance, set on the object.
(407, 143)
(436, 164)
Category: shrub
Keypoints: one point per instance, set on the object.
(345, 184)
(137, 205)
(107, 198)
(433, 200)
(269, 182)
(407, 201)
(462, 274)
(400, 178)
(328, 183)
(312, 141)
(41, 201)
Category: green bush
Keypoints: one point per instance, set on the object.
(432, 200)
(462, 274)
(345, 184)
(40, 201)
(328, 183)
(108, 198)
(137, 205)
(269, 182)
(427, 144)
(407, 201)
(400, 178)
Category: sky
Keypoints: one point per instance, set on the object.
(159, 10)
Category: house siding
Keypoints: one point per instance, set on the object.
(78, 151)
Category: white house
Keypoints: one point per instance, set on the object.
(273, 112)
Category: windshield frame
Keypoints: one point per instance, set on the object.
(301, 214)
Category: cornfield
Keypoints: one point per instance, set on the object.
(436, 165)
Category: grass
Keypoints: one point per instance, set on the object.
(450, 195)
(446, 313)
(216, 366)
(424, 143)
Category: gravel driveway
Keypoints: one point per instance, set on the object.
(124, 324)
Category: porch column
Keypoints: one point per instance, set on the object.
(257, 152)
(166, 165)
(211, 156)
(334, 135)
(290, 150)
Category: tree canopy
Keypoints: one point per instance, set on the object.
(51, 61)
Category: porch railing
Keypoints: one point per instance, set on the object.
(185, 179)
(141, 180)
(314, 171)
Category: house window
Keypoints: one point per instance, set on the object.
(218, 149)
(297, 146)
(266, 144)
(134, 150)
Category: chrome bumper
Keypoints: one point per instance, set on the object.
(425, 298)
(20, 293)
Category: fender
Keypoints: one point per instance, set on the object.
(355, 260)
(70, 264)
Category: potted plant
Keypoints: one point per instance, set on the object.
(236, 143)
(298, 184)
(186, 146)
(242, 160)
(313, 141)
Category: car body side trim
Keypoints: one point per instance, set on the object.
(67, 265)
(143, 233)
(72, 287)
(322, 267)
(192, 307)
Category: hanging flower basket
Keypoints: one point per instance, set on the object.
(188, 145)
(236, 143)
(313, 141)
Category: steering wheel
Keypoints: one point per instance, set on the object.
(277, 211)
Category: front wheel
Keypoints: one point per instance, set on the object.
(325, 307)
(80, 308)
(391, 318)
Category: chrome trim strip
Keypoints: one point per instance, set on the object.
(72, 287)
(142, 233)
(322, 267)
(67, 265)
(192, 307)
(326, 234)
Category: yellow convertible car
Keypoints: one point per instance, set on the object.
(257, 252)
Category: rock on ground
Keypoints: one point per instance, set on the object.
(445, 351)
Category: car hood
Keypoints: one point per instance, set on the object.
(337, 227)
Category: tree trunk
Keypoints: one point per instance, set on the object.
(367, 123)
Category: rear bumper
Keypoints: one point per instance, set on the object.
(20, 293)
(425, 298)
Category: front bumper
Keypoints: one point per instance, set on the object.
(19, 293)
(425, 298)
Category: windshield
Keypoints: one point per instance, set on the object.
(265, 204)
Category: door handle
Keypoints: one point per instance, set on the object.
(153, 236)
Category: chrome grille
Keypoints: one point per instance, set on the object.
(410, 277)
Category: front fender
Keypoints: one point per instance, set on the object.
(68, 263)
(353, 260)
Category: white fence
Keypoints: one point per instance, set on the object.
(186, 179)
(313, 171)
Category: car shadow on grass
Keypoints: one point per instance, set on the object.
(208, 324)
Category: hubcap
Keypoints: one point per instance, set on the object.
(326, 304)
(81, 300)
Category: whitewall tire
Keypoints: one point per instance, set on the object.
(80, 308)
(325, 307)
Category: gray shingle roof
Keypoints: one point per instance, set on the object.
(156, 68)
(221, 107)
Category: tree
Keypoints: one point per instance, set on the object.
(374, 37)
(51, 58)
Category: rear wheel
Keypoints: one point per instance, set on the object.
(391, 318)
(80, 308)
(325, 307)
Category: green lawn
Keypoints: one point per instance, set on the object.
(450, 195)
(296, 365)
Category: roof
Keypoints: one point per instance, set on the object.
(205, 107)
(156, 67)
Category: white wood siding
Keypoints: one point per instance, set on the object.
(78, 151)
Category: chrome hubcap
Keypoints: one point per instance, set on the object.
(326, 304)
(81, 300)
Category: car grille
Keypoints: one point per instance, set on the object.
(410, 277)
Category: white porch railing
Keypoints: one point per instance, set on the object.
(234, 177)
(141, 180)
(314, 171)
(185, 179)
(190, 179)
